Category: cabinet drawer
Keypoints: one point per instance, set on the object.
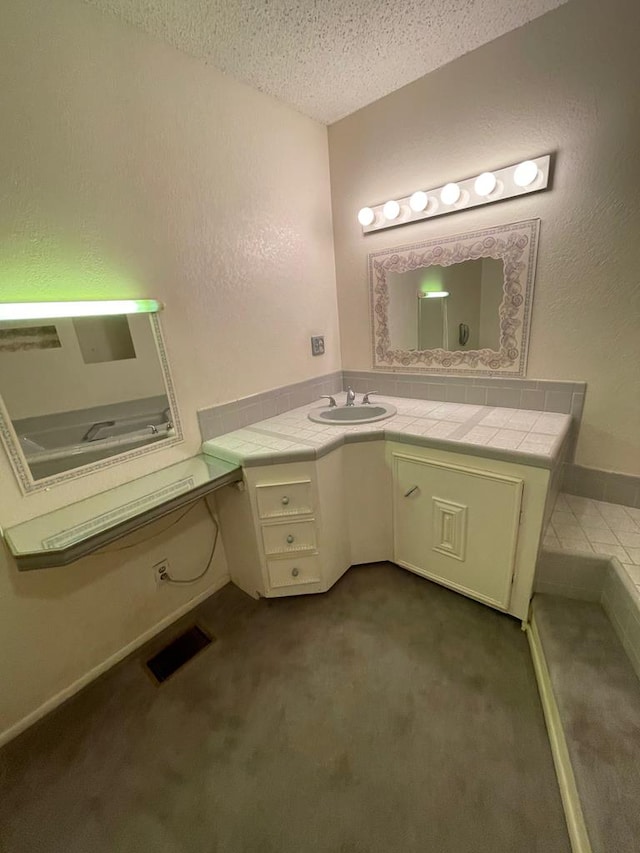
(293, 572)
(289, 537)
(284, 499)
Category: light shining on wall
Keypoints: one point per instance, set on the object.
(487, 188)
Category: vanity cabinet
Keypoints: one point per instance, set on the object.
(467, 522)
(285, 532)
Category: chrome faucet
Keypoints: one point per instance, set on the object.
(332, 402)
(365, 398)
(351, 396)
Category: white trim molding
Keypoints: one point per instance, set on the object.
(576, 825)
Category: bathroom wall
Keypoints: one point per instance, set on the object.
(568, 83)
(130, 170)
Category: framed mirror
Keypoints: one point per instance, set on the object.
(81, 393)
(458, 304)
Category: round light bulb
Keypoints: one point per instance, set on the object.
(391, 210)
(525, 174)
(366, 216)
(485, 184)
(418, 201)
(450, 194)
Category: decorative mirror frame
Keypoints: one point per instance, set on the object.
(19, 463)
(516, 244)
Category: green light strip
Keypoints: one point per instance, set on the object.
(91, 308)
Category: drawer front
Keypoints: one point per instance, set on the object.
(293, 572)
(284, 499)
(289, 537)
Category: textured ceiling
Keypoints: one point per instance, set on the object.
(327, 58)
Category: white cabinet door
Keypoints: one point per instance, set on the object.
(457, 525)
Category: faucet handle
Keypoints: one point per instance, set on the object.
(365, 397)
(332, 402)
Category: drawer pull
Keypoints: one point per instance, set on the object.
(290, 538)
(285, 501)
(295, 572)
(411, 491)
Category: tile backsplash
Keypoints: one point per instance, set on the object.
(227, 417)
(600, 485)
(538, 395)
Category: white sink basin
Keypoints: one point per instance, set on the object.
(352, 415)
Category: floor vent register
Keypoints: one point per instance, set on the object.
(179, 652)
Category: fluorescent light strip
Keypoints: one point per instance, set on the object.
(506, 186)
(90, 308)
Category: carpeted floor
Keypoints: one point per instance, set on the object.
(388, 716)
(598, 697)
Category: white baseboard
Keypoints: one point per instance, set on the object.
(76, 686)
(564, 771)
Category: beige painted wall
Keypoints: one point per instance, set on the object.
(568, 82)
(130, 170)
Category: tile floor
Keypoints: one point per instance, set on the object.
(583, 524)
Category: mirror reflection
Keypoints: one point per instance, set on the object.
(482, 323)
(454, 308)
(80, 390)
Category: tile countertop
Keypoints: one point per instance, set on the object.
(512, 435)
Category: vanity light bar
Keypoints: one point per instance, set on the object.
(529, 176)
(89, 308)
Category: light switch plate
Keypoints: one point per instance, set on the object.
(317, 345)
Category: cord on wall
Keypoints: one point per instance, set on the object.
(166, 577)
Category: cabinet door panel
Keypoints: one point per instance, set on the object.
(457, 525)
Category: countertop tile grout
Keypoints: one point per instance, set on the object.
(514, 435)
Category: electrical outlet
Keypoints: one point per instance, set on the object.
(161, 571)
(317, 345)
